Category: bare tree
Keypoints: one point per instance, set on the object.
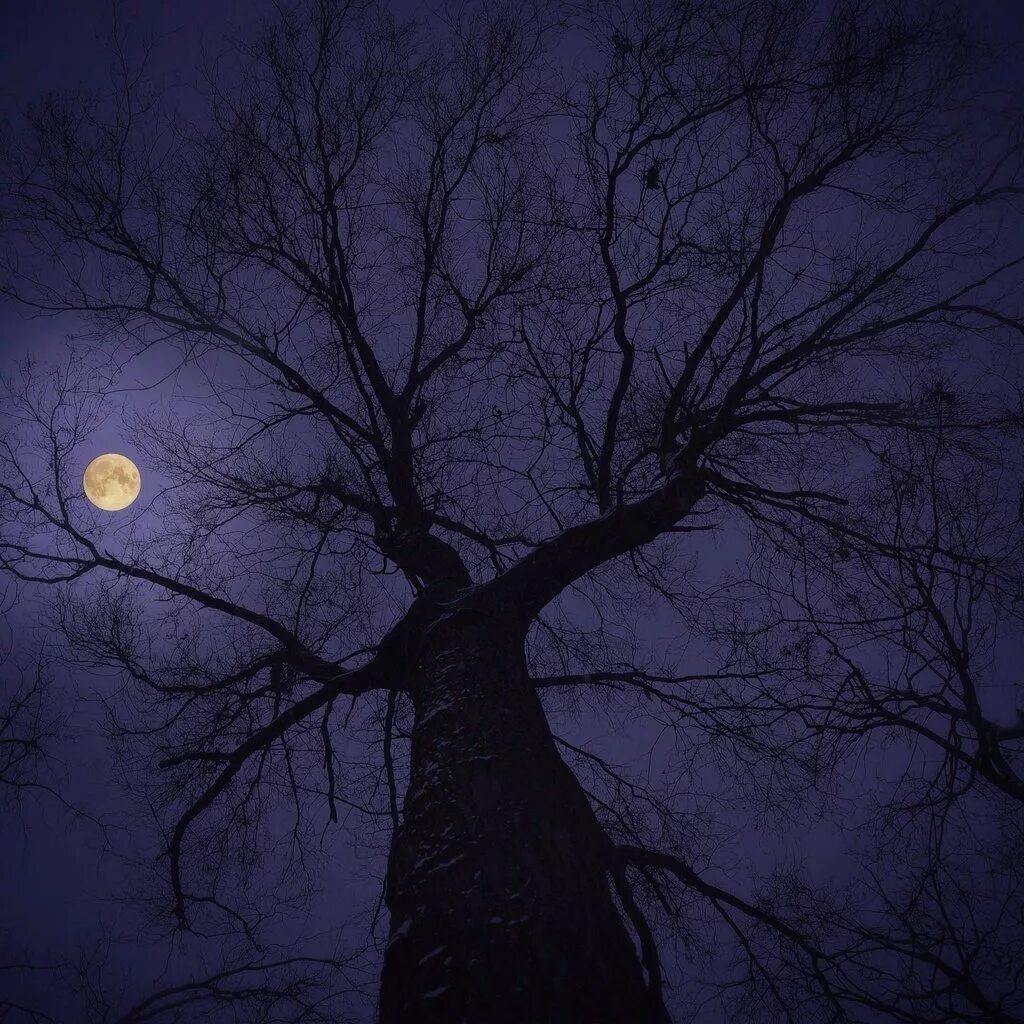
(28, 722)
(266, 989)
(488, 331)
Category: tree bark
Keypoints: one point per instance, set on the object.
(498, 881)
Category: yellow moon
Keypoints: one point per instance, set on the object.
(112, 482)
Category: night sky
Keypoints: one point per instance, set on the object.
(67, 881)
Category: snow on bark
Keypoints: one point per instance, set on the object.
(436, 951)
(400, 932)
(434, 993)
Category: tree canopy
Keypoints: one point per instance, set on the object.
(680, 337)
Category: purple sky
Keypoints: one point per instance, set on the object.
(54, 887)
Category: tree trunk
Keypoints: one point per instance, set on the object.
(497, 879)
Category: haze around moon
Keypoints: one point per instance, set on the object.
(112, 482)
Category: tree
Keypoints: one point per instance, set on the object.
(489, 329)
(28, 722)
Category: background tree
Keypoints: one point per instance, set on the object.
(29, 722)
(486, 331)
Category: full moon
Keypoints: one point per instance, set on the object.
(111, 482)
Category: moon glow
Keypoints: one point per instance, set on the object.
(112, 482)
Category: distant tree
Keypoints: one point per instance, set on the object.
(265, 989)
(488, 331)
(28, 721)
